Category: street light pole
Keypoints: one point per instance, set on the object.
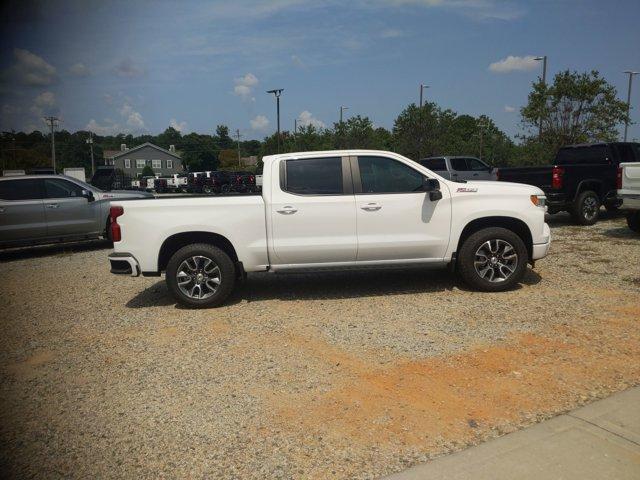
(277, 92)
(93, 164)
(422, 87)
(52, 122)
(544, 82)
(342, 108)
(631, 73)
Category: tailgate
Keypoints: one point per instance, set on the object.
(630, 178)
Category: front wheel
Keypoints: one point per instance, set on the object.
(586, 209)
(200, 276)
(633, 220)
(492, 260)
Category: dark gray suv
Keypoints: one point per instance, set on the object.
(52, 208)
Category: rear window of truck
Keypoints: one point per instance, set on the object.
(314, 176)
(575, 155)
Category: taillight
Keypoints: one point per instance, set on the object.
(114, 213)
(252, 179)
(556, 177)
(619, 178)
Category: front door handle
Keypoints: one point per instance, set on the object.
(287, 210)
(371, 207)
(52, 205)
(1, 209)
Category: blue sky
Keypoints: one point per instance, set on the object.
(139, 66)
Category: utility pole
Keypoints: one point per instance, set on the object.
(544, 82)
(277, 92)
(422, 87)
(481, 125)
(238, 137)
(93, 163)
(342, 109)
(52, 122)
(631, 73)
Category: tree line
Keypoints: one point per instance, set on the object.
(575, 108)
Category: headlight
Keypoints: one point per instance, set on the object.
(539, 200)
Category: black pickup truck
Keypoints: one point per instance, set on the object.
(582, 178)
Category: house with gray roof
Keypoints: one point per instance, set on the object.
(132, 160)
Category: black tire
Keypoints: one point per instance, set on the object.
(586, 208)
(467, 258)
(227, 275)
(207, 189)
(633, 220)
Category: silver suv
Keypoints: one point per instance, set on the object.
(51, 208)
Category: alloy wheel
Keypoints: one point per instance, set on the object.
(198, 277)
(496, 260)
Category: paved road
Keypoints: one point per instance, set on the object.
(601, 440)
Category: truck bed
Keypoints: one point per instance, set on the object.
(539, 176)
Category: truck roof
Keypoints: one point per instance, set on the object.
(328, 153)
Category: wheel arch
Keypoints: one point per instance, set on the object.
(591, 184)
(175, 242)
(513, 224)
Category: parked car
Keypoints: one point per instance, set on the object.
(52, 208)
(109, 178)
(177, 182)
(337, 209)
(628, 183)
(242, 182)
(459, 168)
(582, 178)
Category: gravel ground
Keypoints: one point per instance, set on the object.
(333, 375)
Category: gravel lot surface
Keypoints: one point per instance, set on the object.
(333, 375)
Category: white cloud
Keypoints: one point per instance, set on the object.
(45, 99)
(514, 63)
(260, 122)
(244, 86)
(30, 69)
(509, 109)
(127, 68)
(297, 61)
(391, 33)
(79, 70)
(306, 118)
(108, 128)
(179, 126)
(132, 118)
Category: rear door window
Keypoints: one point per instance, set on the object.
(459, 164)
(476, 165)
(27, 189)
(314, 176)
(435, 164)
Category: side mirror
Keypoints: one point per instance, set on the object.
(432, 186)
(88, 194)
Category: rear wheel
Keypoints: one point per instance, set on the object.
(633, 220)
(586, 208)
(200, 276)
(492, 260)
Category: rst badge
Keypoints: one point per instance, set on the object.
(466, 190)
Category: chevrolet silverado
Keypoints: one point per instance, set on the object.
(328, 210)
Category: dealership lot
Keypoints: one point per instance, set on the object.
(335, 375)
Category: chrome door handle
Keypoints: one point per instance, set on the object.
(287, 210)
(52, 205)
(371, 207)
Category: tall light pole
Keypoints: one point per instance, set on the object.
(53, 123)
(631, 73)
(422, 87)
(277, 92)
(544, 82)
(93, 164)
(238, 140)
(342, 108)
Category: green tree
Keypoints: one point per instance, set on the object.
(575, 108)
(416, 131)
(147, 171)
(225, 142)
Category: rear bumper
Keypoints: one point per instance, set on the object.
(630, 201)
(540, 250)
(124, 264)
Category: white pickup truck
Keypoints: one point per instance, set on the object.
(333, 210)
(629, 192)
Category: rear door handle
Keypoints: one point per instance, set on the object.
(371, 207)
(1, 209)
(287, 210)
(52, 205)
